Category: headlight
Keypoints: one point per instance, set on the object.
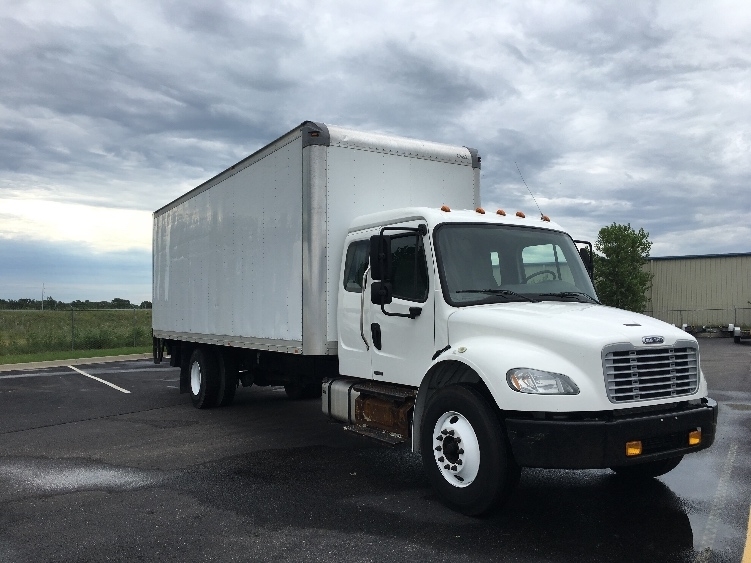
(527, 380)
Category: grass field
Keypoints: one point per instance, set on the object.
(72, 354)
(24, 333)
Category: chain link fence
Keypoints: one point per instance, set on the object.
(702, 319)
(33, 331)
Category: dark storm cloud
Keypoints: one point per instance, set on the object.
(406, 89)
(602, 29)
(133, 96)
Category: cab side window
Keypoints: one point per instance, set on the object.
(355, 265)
(409, 272)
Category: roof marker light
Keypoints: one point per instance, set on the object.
(445, 208)
(480, 210)
(520, 214)
(500, 212)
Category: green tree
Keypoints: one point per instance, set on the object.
(118, 303)
(620, 278)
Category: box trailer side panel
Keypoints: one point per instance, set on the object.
(368, 172)
(228, 256)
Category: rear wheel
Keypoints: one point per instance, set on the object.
(204, 378)
(464, 451)
(228, 379)
(649, 469)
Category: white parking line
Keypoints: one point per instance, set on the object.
(99, 380)
(747, 549)
(718, 505)
(18, 376)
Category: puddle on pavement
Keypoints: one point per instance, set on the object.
(56, 476)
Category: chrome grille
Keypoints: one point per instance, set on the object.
(652, 373)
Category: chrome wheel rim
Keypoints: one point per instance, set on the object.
(456, 449)
(195, 378)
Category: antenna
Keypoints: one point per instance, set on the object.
(530, 191)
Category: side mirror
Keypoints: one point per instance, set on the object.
(380, 257)
(381, 293)
(587, 256)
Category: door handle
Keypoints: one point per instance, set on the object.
(362, 308)
(375, 333)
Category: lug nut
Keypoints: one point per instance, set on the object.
(458, 440)
(461, 451)
(447, 466)
(453, 468)
(438, 448)
(458, 461)
(439, 438)
(444, 432)
(441, 459)
(451, 432)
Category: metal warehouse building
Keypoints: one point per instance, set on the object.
(708, 290)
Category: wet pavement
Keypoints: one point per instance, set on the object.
(91, 473)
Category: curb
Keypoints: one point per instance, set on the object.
(71, 362)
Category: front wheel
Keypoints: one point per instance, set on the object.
(649, 469)
(464, 451)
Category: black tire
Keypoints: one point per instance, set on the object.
(228, 379)
(204, 378)
(649, 469)
(469, 482)
(155, 347)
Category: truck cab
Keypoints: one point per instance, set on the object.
(487, 328)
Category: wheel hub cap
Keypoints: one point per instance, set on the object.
(195, 378)
(456, 449)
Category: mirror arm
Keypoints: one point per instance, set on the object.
(414, 312)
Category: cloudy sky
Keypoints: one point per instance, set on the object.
(628, 112)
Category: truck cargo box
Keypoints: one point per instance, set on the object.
(252, 257)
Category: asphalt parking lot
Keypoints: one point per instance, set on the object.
(108, 462)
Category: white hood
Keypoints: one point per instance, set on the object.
(575, 324)
(558, 337)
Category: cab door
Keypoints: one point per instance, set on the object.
(402, 347)
(353, 309)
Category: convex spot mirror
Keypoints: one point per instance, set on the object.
(381, 293)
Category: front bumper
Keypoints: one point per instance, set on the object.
(594, 444)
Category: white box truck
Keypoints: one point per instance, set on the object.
(360, 267)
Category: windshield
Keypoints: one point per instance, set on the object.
(484, 263)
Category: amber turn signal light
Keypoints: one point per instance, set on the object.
(694, 437)
(633, 448)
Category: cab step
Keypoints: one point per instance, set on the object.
(374, 434)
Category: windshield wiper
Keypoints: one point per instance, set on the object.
(503, 292)
(571, 294)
